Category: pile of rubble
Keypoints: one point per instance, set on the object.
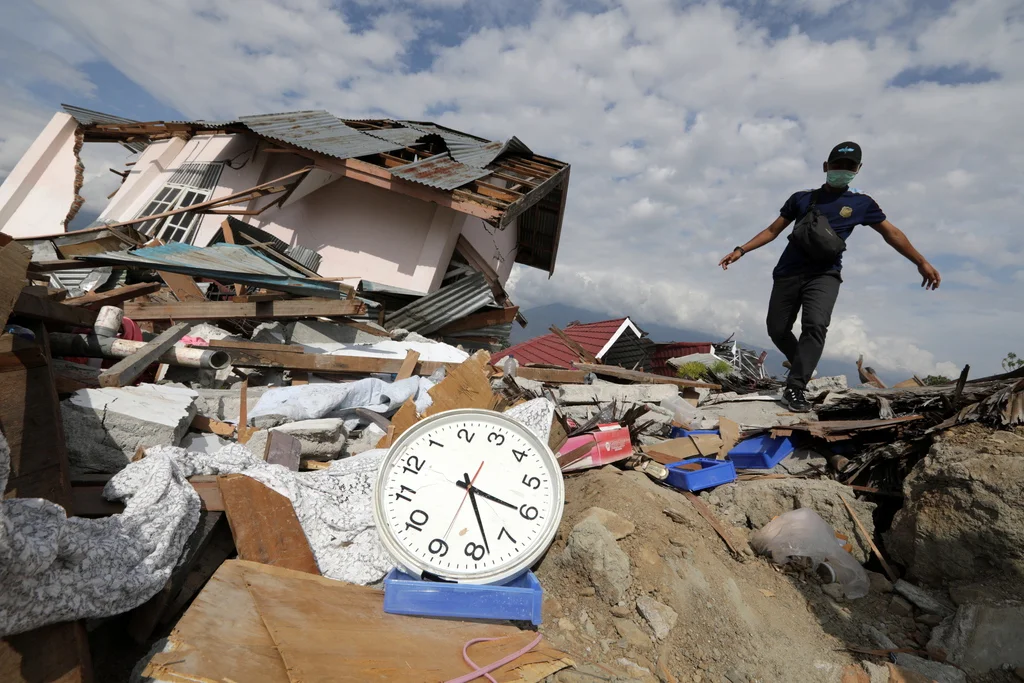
(207, 443)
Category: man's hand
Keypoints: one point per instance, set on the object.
(931, 277)
(730, 258)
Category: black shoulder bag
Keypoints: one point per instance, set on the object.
(815, 236)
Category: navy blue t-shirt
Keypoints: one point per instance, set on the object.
(844, 210)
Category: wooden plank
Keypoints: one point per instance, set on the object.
(574, 345)
(58, 653)
(244, 430)
(642, 377)
(326, 363)
(115, 296)
(256, 346)
(692, 446)
(264, 525)
(230, 310)
(408, 365)
(253, 298)
(867, 537)
(229, 237)
(14, 259)
(44, 308)
(210, 426)
(127, 369)
(482, 319)
(283, 449)
(535, 195)
(220, 547)
(88, 501)
(182, 286)
(551, 376)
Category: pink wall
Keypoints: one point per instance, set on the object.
(491, 242)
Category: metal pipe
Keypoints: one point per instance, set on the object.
(108, 321)
(93, 346)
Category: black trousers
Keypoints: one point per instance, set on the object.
(816, 295)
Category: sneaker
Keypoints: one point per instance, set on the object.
(795, 401)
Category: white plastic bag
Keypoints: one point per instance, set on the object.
(803, 533)
(685, 414)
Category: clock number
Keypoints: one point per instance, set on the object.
(438, 547)
(417, 522)
(506, 533)
(475, 551)
(528, 512)
(436, 443)
(519, 455)
(465, 435)
(532, 482)
(413, 465)
(495, 437)
(404, 489)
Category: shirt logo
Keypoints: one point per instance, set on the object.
(846, 212)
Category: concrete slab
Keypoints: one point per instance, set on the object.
(606, 392)
(321, 439)
(317, 332)
(223, 404)
(104, 427)
(203, 443)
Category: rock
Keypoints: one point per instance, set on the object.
(104, 427)
(852, 674)
(901, 607)
(316, 332)
(257, 443)
(587, 592)
(920, 597)
(565, 625)
(881, 639)
(618, 526)
(929, 620)
(934, 671)
(366, 440)
(821, 385)
(321, 439)
(877, 673)
(961, 518)
(980, 638)
(620, 611)
(834, 591)
(661, 618)
(755, 503)
(593, 550)
(270, 333)
(632, 634)
(606, 392)
(203, 443)
(223, 404)
(879, 584)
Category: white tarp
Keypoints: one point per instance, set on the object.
(436, 352)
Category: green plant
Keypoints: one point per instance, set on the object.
(720, 367)
(694, 370)
(934, 380)
(1012, 362)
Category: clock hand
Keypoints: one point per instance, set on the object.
(462, 485)
(445, 537)
(476, 511)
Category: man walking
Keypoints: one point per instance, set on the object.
(804, 281)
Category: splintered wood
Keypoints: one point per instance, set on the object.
(262, 624)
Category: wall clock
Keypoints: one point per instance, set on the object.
(470, 496)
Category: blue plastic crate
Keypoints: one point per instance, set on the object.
(520, 599)
(679, 432)
(711, 473)
(761, 452)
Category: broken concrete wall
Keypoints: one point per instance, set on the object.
(38, 195)
(104, 427)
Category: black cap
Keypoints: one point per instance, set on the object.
(845, 150)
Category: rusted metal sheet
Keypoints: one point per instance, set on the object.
(440, 171)
(318, 131)
(444, 306)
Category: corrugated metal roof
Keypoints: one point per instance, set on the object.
(88, 117)
(301, 255)
(549, 349)
(240, 263)
(440, 171)
(433, 311)
(319, 131)
(304, 255)
(400, 136)
(474, 153)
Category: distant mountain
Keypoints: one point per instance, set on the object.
(542, 318)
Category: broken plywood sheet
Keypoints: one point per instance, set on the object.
(263, 624)
(692, 446)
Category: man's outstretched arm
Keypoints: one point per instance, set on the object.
(760, 239)
(895, 238)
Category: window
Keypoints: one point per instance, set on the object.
(190, 184)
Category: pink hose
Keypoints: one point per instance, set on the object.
(485, 670)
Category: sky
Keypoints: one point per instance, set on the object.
(687, 125)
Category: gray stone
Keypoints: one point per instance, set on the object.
(961, 517)
(755, 503)
(257, 443)
(935, 671)
(834, 591)
(367, 440)
(980, 638)
(606, 392)
(929, 620)
(596, 555)
(316, 332)
(821, 385)
(270, 333)
(803, 462)
(104, 427)
(203, 443)
(924, 600)
(660, 617)
(618, 526)
(632, 634)
(223, 404)
(620, 611)
(878, 673)
(753, 413)
(901, 607)
(879, 583)
(321, 439)
(881, 639)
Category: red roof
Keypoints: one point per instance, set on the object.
(548, 349)
(663, 352)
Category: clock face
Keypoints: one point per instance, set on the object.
(470, 496)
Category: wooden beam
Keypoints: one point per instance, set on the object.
(208, 425)
(574, 345)
(534, 196)
(550, 376)
(45, 309)
(114, 296)
(261, 310)
(482, 319)
(14, 260)
(408, 365)
(642, 377)
(88, 501)
(369, 329)
(326, 363)
(127, 369)
(182, 286)
(253, 298)
(256, 346)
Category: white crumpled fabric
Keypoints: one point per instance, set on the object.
(313, 401)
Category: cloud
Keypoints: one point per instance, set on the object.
(687, 128)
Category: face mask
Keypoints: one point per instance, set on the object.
(839, 178)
